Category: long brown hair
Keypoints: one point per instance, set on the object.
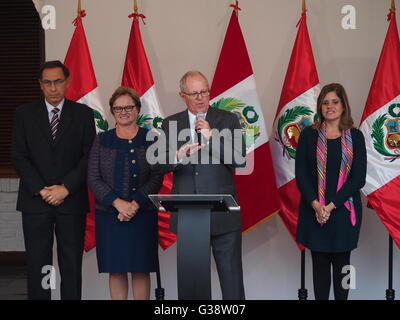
(346, 121)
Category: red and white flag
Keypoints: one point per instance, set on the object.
(296, 110)
(234, 89)
(137, 75)
(83, 89)
(380, 124)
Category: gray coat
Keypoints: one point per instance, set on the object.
(206, 178)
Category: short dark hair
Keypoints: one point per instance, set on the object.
(125, 91)
(51, 65)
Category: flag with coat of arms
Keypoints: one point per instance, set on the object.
(296, 110)
(380, 124)
(234, 89)
(83, 89)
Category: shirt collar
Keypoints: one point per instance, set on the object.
(192, 117)
(50, 107)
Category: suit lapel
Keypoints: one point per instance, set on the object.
(183, 124)
(212, 117)
(65, 120)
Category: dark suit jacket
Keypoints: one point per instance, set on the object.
(40, 161)
(110, 171)
(207, 178)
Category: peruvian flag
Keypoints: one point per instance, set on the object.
(296, 110)
(380, 124)
(83, 88)
(137, 75)
(234, 89)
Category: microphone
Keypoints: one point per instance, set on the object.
(199, 115)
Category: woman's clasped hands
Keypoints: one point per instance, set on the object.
(126, 210)
(322, 213)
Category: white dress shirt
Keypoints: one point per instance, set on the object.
(50, 108)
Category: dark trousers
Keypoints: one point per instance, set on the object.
(227, 251)
(39, 229)
(322, 263)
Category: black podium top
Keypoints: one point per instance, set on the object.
(173, 202)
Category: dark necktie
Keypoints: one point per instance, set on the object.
(54, 122)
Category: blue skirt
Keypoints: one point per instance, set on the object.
(130, 246)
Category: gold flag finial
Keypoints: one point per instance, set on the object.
(303, 6)
(135, 7)
(392, 6)
(79, 8)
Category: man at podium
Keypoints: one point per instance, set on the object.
(203, 163)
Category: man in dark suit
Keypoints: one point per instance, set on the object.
(209, 173)
(50, 148)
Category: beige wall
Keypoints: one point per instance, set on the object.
(187, 34)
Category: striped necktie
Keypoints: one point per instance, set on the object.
(54, 122)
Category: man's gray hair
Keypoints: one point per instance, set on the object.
(182, 82)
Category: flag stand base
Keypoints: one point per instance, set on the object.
(302, 292)
(390, 293)
(160, 294)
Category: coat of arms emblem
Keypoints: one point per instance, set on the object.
(290, 125)
(386, 133)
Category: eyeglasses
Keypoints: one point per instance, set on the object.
(49, 83)
(119, 109)
(194, 95)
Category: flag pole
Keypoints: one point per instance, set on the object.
(302, 292)
(159, 290)
(79, 9)
(303, 6)
(236, 7)
(390, 293)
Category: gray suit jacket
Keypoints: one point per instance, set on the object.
(208, 178)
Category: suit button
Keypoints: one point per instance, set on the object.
(133, 161)
(133, 189)
(132, 150)
(129, 141)
(135, 175)
(196, 173)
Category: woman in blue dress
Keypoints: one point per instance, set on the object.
(126, 220)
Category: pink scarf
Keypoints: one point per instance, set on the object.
(345, 167)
